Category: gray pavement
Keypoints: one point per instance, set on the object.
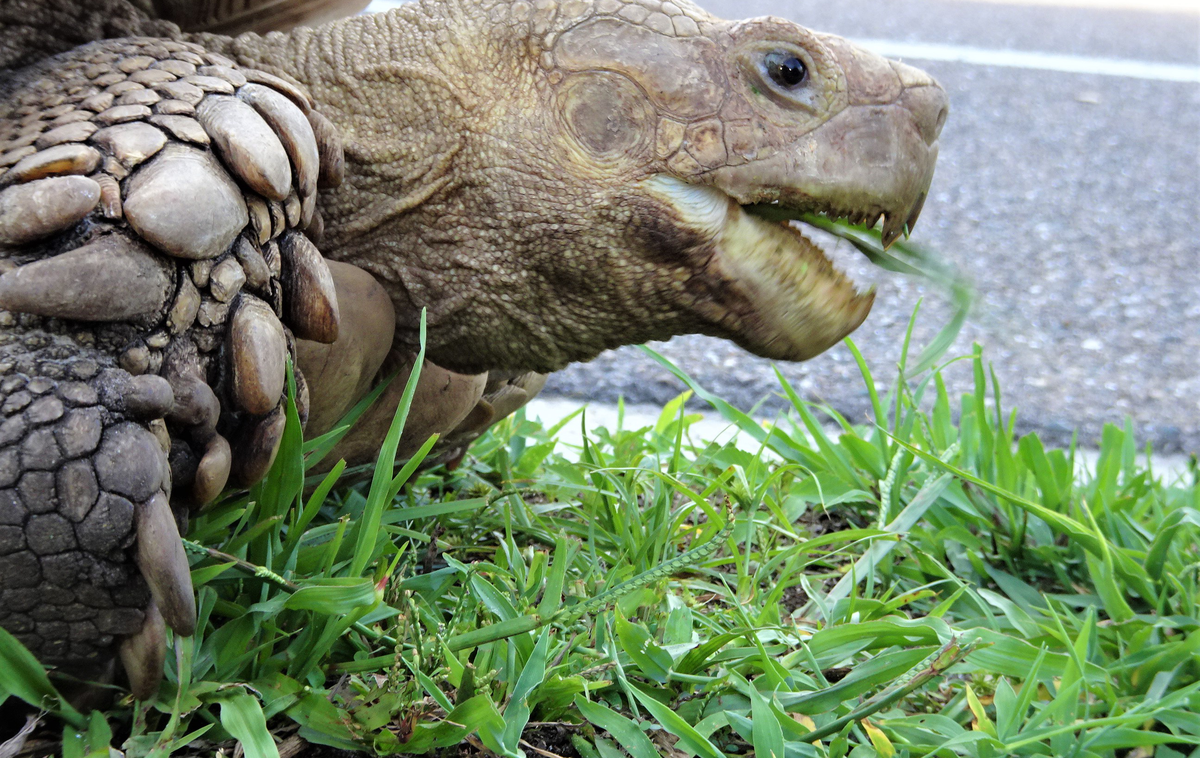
(1071, 199)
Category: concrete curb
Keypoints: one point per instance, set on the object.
(714, 428)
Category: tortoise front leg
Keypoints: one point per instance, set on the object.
(456, 407)
(156, 208)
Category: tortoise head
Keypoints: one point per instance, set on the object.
(606, 152)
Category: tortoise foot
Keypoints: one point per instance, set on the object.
(156, 207)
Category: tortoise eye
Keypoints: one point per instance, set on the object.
(785, 69)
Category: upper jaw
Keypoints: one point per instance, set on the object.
(869, 162)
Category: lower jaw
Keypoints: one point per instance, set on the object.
(794, 304)
(774, 291)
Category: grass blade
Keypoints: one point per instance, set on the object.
(242, 716)
(627, 733)
(674, 723)
(22, 676)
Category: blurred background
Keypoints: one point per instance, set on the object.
(1067, 189)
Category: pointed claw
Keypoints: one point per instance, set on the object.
(303, 399)
(296, 94)
(212, 474)
(308, 209)
(309, 296)
(253, 263)
(259, 354)
(164, 565)
(316, 228)
(260, 219)
(110, 196)
(257, 448)
(516, 393)
(478, 419)
(279, 222)
(291, 210)
(186, 307)
(293, 129)
(111, 279)
(329, 144)
(144, 653)
(195, 403)
(248, 145)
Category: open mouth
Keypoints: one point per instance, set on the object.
(894, 224)
(785, 299)
(806, 304)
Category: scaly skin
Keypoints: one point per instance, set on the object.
(547, 179)
(66, 584)
(31, 30)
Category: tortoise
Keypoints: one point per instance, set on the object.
(182, 210)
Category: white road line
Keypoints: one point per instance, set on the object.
(1146, 6)
(1073, 64)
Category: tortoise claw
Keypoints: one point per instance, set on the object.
(143, 654)
(257, 447)
(259, 348)
(212, 473)
(308, 290)
(164, 564)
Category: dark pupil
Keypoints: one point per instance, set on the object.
(785, 70)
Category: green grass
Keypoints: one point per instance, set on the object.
(929, 585)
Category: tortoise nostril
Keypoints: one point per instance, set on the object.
(941, 121)
(929, 108)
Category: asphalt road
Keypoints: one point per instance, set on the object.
(1071, 199)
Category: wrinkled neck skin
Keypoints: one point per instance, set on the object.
(457, 208)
